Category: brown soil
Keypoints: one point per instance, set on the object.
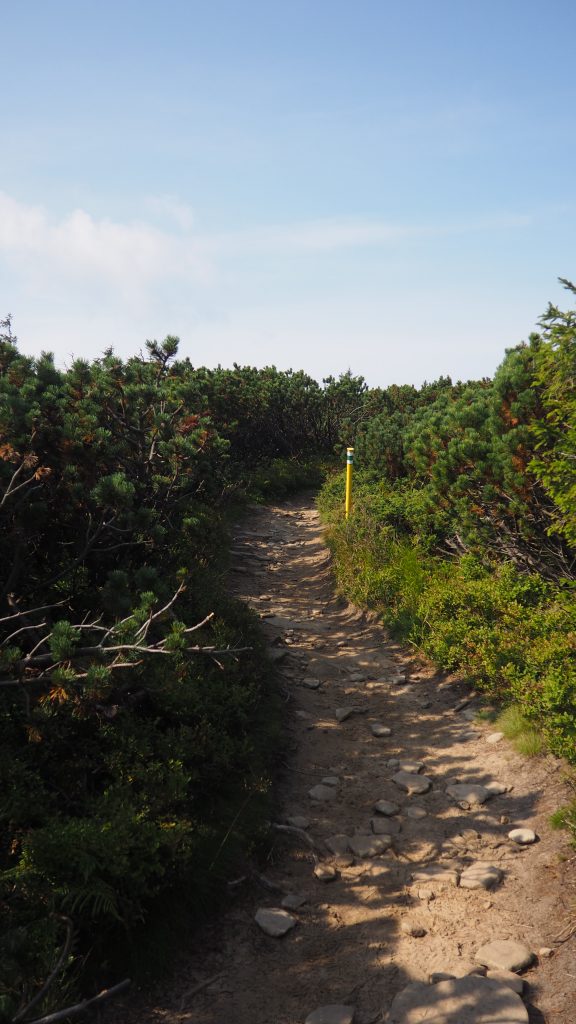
(349, 945)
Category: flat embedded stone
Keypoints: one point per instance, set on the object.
(412, 767)
(358, 677)
(369, 846)
(333, 1014)
(495, 737)
(470, 1000)
(379, 730)
(330, 780)
(293, 901)
(496, 788)
(385, 826)
(458, 970)
(274, 921)
(310, 682)
(480, 876)
(325, 872)
(343, 860)
(522, 836)
(386, 807)
(322, 794)
(435, 873)
(411, 783)
(505, 954)
(417, 813)
(507, 978)
(338, 845)
(341, 714)
(470, 792)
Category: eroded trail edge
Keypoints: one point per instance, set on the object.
(393, 866)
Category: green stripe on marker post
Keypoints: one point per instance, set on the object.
(349, 464)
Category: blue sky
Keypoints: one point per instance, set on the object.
(321, 185)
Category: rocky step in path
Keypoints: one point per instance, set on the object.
(414, 876)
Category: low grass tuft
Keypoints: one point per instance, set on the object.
(516, 727)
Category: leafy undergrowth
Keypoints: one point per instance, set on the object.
(512, 633)
(515, 726)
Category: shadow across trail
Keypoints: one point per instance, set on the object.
(360, 710)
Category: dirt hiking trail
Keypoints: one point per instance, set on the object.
(384, 876)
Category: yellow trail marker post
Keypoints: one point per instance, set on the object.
(349, 464)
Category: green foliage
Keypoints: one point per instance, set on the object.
(516, 727)
(130, 766)
(554, 463)
(461, 532)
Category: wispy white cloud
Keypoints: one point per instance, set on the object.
(129, 257)
(170, 208)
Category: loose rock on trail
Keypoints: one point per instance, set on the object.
(410, 812)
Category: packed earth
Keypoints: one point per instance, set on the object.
(414, 877)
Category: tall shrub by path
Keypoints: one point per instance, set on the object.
(462, 533)
(136, 718)
(554, 462)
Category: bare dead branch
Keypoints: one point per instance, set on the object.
(144, 629)
(75, 1011)
(30, 611)
(12, 487)
(192, 629)
(298, 832)
(23, 629)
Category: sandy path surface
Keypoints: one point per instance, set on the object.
(356, 940)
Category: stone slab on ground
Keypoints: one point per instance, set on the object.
(417, 813)
(386, 807)
(322, 794)
(470, 792)
(515, 982)
(522, 836)
(274, 921)
(496, 788)
(411, 783)
(480, 875)
(293, 901)
(436, 874)
(385, 826)
(334, 1014)
(505, 955)
(369, 846)
(326, 872)
(341, 714)
(470, 1000)
(379, 730)
(461, 969)
(412, 767)
(339, 844)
